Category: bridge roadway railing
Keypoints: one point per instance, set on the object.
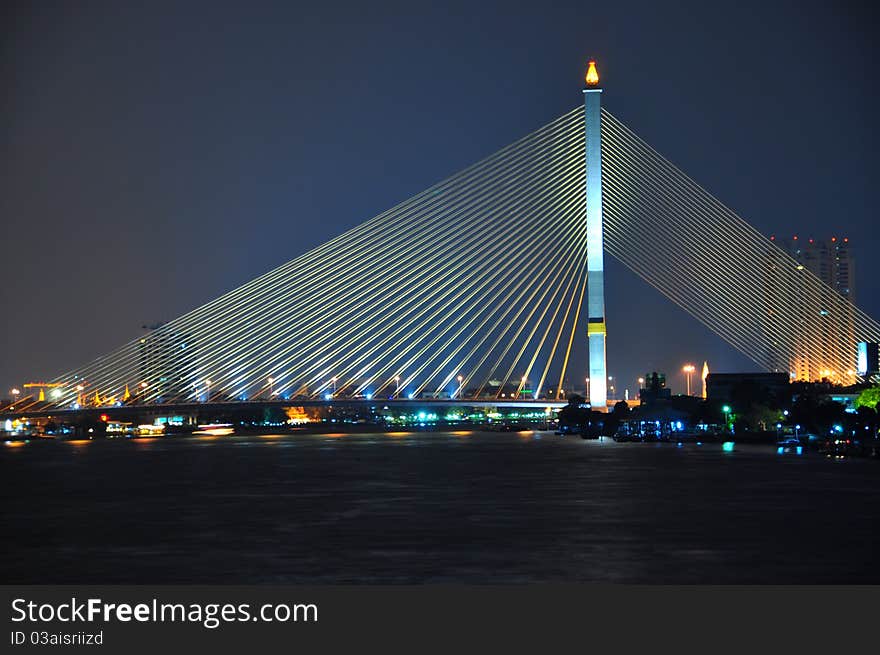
(115, 411)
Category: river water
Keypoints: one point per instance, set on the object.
(432, 507)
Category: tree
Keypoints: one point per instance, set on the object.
(869, 398)
(573, 416)
(621, 409)
(607, 425)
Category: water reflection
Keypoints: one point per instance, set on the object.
(456, 506)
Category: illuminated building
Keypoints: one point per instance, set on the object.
(595, 246)
(830, 260)
(868, 360)
(816, 348)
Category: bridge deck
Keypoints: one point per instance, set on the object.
(185, 408)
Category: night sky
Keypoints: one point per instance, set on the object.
(155, 155)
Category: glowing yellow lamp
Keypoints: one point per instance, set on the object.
(592, 75)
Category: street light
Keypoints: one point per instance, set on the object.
(15, 393)
(271, 387)
(397, 385)
(333, 380)
(208, 390)
(688, 371)
(522, 385)
(458, 393)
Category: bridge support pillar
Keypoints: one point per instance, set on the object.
(598, 380)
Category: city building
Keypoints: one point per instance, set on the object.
(817, 341)
(830, 260)
(655, 389)
(868, 360)
(166, 366)
(725, 387)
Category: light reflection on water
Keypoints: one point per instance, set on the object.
(457, 506)
(14, 444)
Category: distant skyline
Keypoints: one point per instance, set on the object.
(156, 156)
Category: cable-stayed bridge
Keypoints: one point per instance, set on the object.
(478, 287)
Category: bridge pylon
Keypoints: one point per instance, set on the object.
(598, 379)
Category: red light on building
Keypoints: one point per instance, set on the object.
(833, 239)
(105, 418)
(795, 237)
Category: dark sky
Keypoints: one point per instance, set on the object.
(158, 154)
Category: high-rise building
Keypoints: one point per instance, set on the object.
(830, 260)
(816, 341)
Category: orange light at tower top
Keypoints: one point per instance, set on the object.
(592, 74)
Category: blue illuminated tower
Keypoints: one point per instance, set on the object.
(598, 393)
